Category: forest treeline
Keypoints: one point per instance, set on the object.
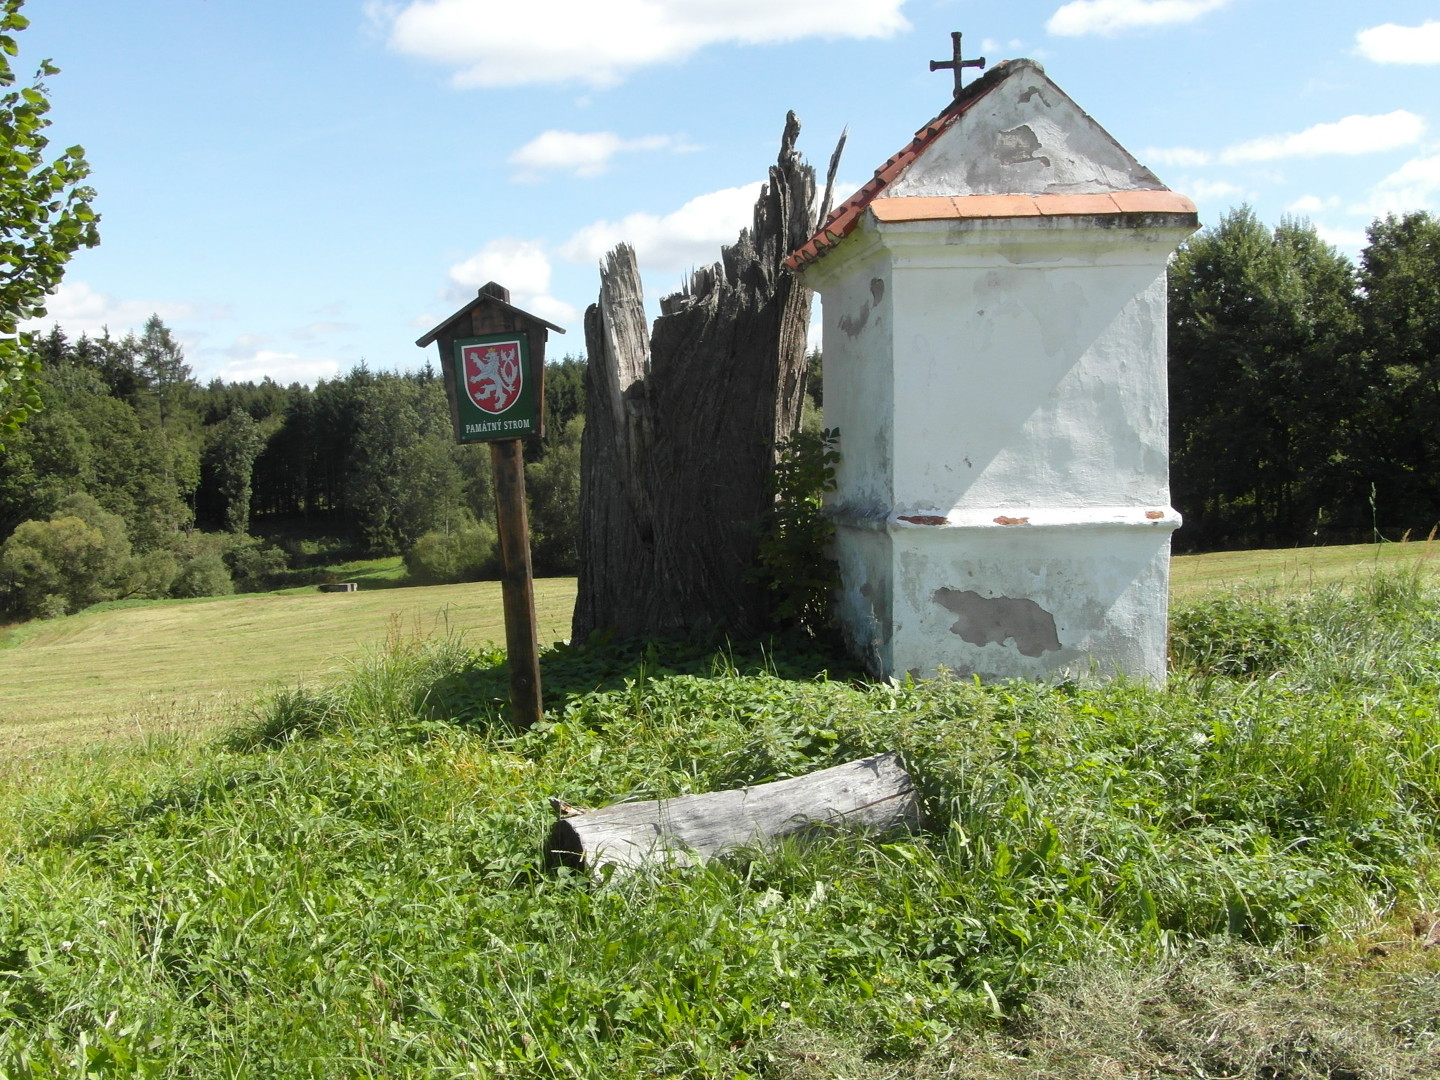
(1305, 399)
(1304, 389)
(136, 481)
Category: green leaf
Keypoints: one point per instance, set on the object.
(45, 216)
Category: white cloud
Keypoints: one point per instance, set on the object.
(584, 154)
(993, 48)
(687, 237)
(1413, 186)
(1112, 16)
(520, 265)
(508, 44)
(523, 267)
(1392, 44)
(244, 346)
(1347, 240)
(1213, 190)
(283, 367)
(1175, 155)
(1313, 204)
(1352, 135)
(560, 312)
(80, 309)
(320, 329)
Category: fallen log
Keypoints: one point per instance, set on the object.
(874, 794)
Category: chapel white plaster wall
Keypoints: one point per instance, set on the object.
(1001, 371)
(1017, 602)
(864, 606)
(858, 326)
(1029, 385)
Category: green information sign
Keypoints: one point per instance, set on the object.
(495, 388)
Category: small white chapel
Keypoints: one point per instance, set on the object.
(994, 339)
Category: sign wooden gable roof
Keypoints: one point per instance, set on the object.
(489, 294)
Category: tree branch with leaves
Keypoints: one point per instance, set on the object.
(45, 217)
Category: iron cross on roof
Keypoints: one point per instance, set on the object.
(956, 63)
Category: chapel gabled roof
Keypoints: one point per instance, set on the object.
(890, 195)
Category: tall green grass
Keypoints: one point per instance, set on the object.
(350, 884)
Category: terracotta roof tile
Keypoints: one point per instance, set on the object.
(1068, 205)
(961, 207)
(1153, 202)
(916, 208)
(995, 206)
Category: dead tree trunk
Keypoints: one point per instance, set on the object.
(681, 429)
(617, 533)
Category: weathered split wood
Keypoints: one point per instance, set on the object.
(517, 588)
(874, 794)
(681, 426)
(616, 542)
(827, 203)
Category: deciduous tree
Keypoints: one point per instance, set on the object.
(1400, 273)
(553, 487)
(79, 557)
(1263, 382)
(402, 480)
(45, 217)
(235, 444)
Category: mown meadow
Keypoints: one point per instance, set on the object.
(1234, 875)
(131, 667)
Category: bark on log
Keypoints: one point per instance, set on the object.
(874, 794)
(681, 429)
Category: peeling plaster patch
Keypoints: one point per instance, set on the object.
(924, 519)
(1018, 145)
(877, 289)
(983, 621)
(1154, 515)
(1034, 92)
(1003, 520)
(853, 324)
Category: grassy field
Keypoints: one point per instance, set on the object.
(1291, 570)
(135, 669)
(131, 669)
(1236, 875)
(387, 573)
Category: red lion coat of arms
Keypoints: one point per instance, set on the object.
(493, 375)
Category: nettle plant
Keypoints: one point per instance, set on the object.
(795, 562)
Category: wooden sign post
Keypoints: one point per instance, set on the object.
(493, 357)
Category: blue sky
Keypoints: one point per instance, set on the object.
(297, 185)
